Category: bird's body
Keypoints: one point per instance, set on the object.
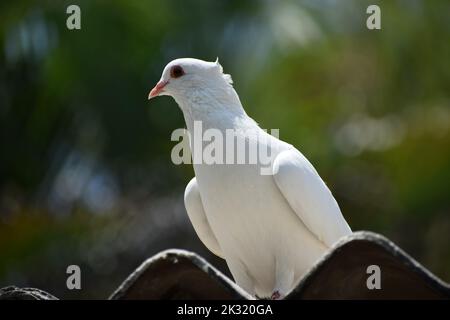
(270, 228)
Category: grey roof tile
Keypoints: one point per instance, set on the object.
(340, 274)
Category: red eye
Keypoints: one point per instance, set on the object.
(176, 72)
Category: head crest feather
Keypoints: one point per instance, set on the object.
(227, 77)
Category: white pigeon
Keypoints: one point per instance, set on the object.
(270, 228)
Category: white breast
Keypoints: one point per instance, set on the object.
(254, 224)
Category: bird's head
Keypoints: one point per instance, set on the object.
(187, 77)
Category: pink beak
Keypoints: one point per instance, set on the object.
(157, 89)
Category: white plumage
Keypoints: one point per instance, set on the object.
(270, 228)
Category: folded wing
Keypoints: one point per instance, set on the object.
(309, 197)
(196, 213)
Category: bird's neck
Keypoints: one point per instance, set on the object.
(219, 109)
(206, 113)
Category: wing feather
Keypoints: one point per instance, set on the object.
(309, 197)
(196, 213)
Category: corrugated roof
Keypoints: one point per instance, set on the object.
(340, 274)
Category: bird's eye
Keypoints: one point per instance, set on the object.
(176, 72)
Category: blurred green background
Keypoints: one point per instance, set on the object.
(85, 170)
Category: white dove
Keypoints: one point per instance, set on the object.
(270, 228)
